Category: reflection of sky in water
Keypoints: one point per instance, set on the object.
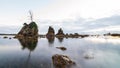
(107, 39)
(106, 53)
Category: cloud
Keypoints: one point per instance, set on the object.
(16, 12)
(80, 25)
(103, 25)
(10, 29)
(70, 9)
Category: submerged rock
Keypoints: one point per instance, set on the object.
(28, 30)
(10, 38)
(89, 55)
(50, 32)
(62, 48)
(62, 61)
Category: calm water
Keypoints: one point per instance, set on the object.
(15, 53)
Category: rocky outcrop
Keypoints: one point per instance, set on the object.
(112, 34)
(62, 61)
(61, 48)
(50, 32)
(28, 30)
(60, 32)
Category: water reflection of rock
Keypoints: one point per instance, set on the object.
(51, 40)
(29, 43)
(28, 60)
(60, 39)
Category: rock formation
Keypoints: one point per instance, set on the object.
(62, 61)
(28, 30)
(112, 34)
(60, 32)
(50, 33)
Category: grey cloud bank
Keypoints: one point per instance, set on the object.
(80, 25)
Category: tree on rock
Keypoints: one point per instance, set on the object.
(28, 30)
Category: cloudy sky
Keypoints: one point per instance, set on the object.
(81, 16)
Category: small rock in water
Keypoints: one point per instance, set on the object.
(5, 37)
(10, 38)
(61, 61)
(62, 48)
(89, 55)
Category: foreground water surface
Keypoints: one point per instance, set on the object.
(15, 54)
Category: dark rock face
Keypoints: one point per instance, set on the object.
(28, 30)
(60, 32)
(62, 61)
(50, 33)
(115, 35)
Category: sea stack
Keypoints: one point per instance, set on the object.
(28, 30)
(60, 33)
(50, 33)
